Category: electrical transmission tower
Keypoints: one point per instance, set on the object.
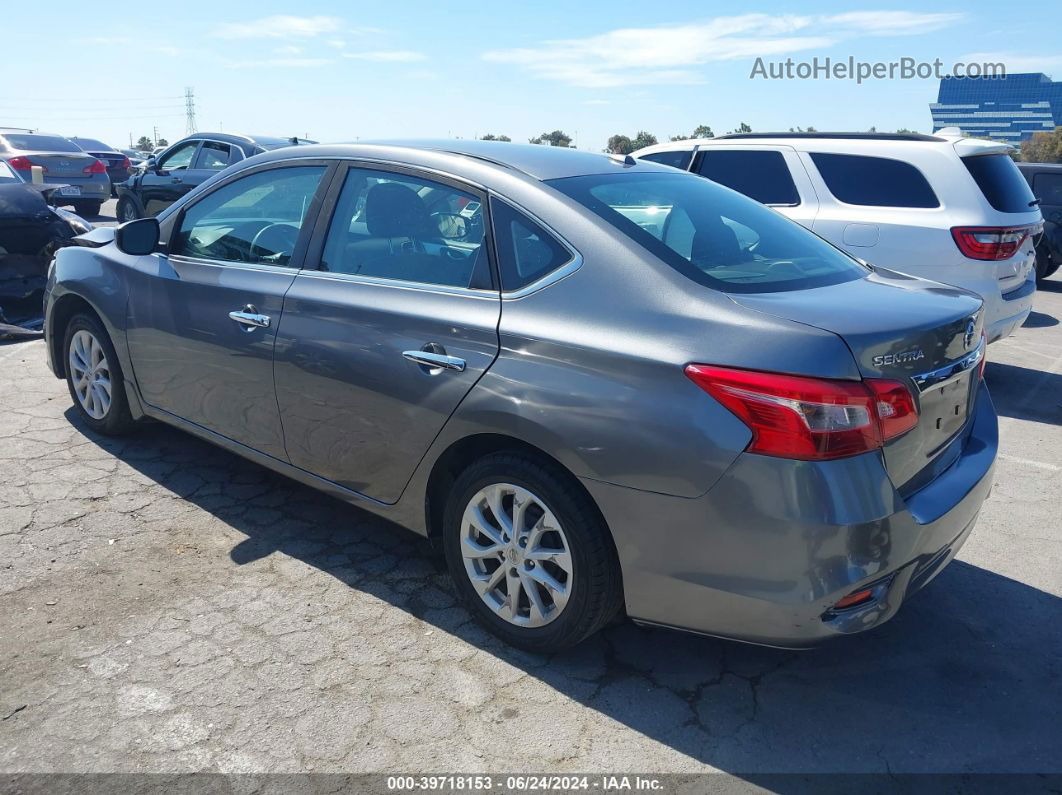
(189, 111)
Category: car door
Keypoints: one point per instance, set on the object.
(203, 314)
(772, 175)
(164, 184)
(387, 328)
(212, 157)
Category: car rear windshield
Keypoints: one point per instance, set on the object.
(40, 143)
(1000, 182)
(711, 234)
(93, 144)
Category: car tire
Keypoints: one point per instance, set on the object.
(569, 547)
(94, 377)
(1046, 265)
(88, 209)
(127, 210)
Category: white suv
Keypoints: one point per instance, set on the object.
(947, 208)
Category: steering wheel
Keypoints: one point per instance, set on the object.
(280, 239)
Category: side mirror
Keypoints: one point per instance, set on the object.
(138, 237)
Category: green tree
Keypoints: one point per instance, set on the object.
(1043, 147)
(555, 138)
(144, 144)
(905, 131)
(493, 137)
(742, 128)
(620, 145)
(703, 131)
(162, 142)
(641, 140)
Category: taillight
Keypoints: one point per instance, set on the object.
(125, 162)
(810, 418)
(96, 168)
(989, 242)
(22, 163)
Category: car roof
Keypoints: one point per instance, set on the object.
(1039, 166)
(539, 162)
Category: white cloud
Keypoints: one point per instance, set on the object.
(1014, 63)
(288, 49)
(339, 44)
(286, 63)
(388, 56)
(280, 26)
(671, 53)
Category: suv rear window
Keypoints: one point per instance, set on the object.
(760, 175)
(874, 181)
(1000, 182)
(710, 234)
(678, 158)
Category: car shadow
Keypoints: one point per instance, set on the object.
(1024, 393)
(956, 682)
(1052, 285)
(1040, 320)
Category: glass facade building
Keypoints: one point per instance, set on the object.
(1007, 109)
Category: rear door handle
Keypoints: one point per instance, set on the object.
(250, 318)
(434, 360)
(176, 179)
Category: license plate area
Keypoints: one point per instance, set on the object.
(70, 190)
(944, 409)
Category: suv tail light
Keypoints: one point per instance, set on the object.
(22, 163)
(810, 418)
(96, 168)
(990, 242)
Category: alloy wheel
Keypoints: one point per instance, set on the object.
(90, 374)
(516, 555)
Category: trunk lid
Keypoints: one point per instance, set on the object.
(898, 327)
(62, 165)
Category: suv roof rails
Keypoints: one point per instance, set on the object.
(872, 136)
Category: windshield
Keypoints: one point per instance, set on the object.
(40, 143)
(7, 176)
(711, 234)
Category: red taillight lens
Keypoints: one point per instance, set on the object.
(125, 162)
(22, 163)
(96, 168)
(989, 242)
(810, 418)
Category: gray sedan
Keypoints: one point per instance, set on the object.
(82, 178)
(600, 386)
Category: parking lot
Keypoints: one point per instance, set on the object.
(167, 606)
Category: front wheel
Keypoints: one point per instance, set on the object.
(94, 377)
(530, 554)
(127, 210)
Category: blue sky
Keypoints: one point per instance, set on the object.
(412, 68)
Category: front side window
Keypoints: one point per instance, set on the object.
(1048, 189)
(179, 158)
(712, 235)
(526, 251)
(678, 158)
(213, 156)
(255, 219)
(874, 181)
(394, 226)
(760, 175)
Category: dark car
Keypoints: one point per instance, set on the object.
(599, 384)
(118, 166)
(166, 177)
(1045, 179)
(30, 232)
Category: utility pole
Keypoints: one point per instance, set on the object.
(155, 130)
(189, 111)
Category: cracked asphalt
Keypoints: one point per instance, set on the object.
(166, 606)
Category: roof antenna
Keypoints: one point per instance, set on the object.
(625, 160)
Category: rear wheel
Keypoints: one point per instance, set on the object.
(94, 377)
(127, 210)
(530, 555)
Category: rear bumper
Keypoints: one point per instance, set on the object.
(1011, 311)
(765, 554)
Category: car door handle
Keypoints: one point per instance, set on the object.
(429, 359)
(175, 179)
(250, 318)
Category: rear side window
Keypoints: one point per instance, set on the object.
(676, 159)
(763, 176)
(1048, 189)
(1000, 182)
(874, 181)
(213, 155)
(526, 251)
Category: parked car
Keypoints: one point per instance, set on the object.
(118, 164)
(136, 156)
(596, 383)
(84, 182)
(940, 206)
(191, 161)
(30, 233)
(1045, 179)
